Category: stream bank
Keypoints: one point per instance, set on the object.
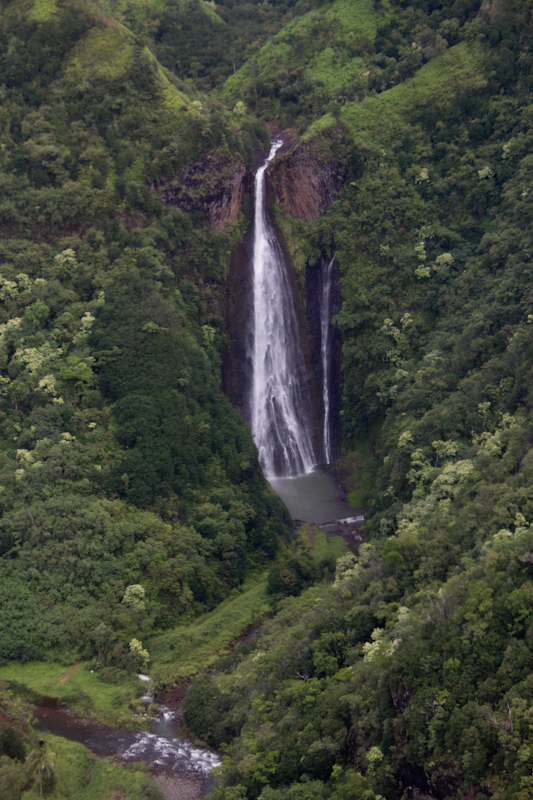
(180, 768)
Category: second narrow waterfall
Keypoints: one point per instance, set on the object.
(279, 406)
(325, 347)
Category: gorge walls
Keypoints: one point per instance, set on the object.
(304, 186)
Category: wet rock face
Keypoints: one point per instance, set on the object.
(307, 180)
(215, 184)
(314, 282)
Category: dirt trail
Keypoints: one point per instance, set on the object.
(71, 670)
(310, 534)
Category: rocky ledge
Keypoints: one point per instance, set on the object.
(215, 185)
(307, 179)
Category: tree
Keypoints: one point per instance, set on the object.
(134, 597)
(13, 778)
(142, 657)
(40, 763)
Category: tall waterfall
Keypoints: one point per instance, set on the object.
(325, 348)
(279, 405)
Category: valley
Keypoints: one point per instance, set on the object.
(147, 410)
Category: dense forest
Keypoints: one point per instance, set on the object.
(122, 462)
(131, 498)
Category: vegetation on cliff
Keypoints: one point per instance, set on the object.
(131, 496)
(411, 674)
(122, 462)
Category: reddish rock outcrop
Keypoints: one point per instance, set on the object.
(215, 184)
(306, 181)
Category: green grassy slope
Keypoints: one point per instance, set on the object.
(320, 41)
(78, 773)
(310, 61)
(186, 651)
(378, 120)
(83, 691)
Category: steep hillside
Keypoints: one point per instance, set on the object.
(309, 62)
(201, 41)
(131, 495)
(122, 462)
(340, 52)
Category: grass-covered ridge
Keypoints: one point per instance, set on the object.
(103, 52)
(459, 68)
(309, 61)
(320, 40)
(77, 687)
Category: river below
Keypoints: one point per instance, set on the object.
(182, 769)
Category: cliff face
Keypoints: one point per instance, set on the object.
(307, 180)
(237, 367)
(304, 182)
(215, 184)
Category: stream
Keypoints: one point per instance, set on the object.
(181, 768)
(186, 767)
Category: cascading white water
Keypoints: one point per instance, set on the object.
(279, 407)
(325, 337)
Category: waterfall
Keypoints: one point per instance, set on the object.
(325, 348)
(279, 405)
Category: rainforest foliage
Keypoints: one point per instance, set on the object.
(412, 673)
(131, 497)
(122, 462)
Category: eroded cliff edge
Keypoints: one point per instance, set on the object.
(215, 185)
(306, 180)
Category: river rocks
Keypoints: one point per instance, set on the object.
(178, 788)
